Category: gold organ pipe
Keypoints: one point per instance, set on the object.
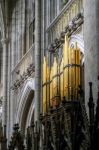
(51, 85)
(61, 80)
(70, 73)
(78, 63)
(48, 87)
(55, 78)
(77, 68)
(65, 51)
(79, 54)
(73, 71)
(44, 86)
(65, 71)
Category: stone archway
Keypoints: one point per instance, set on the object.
(30, 117)
(26, 105)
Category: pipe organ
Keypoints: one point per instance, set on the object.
(61, 79)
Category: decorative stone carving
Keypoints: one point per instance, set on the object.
(69, 29)
(22, 78)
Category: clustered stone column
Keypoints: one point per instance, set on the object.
(5, 68)
(37, 58)
(91, 41)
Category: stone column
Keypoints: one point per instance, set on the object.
(97, 31)
(91, 42)
(9, 89)
(37, 58)
(5, 69)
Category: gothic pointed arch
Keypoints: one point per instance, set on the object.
(30, 117)
(25, 105)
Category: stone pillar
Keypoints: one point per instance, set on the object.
(91, 42)
(8, 83)
(37, 58)
(97, 31)
(5, 69)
